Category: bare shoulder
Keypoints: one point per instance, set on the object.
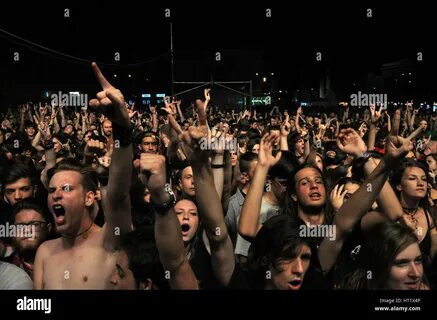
(50, 244)
(48, 247)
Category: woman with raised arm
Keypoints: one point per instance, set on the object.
(352, 211)
(410, 180)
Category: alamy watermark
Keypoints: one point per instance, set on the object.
(318, 231)
(71, 99)
(30, 304)
(17, 231)
(218, 144)
(366, 99)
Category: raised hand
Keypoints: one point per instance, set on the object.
(350, 142)
(95, 147)
(207, 95)
(110, 101)
(153, 166)
(375, 115)
(152, 109)
(397, 147)
(396, 123)
(45, 130)
(104, 161)
(286, 126)
(303, 132)
(337, 197)
(265, 156)
(170, 107)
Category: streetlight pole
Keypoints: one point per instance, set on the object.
(172, 59)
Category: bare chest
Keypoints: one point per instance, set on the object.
(79, 268)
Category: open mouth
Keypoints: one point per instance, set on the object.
(295, 284)
(412, 285)
(315, 196)
(185, 227)
(58, 210)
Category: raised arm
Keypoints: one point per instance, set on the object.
(154, 118)
(61, 113)
(249, 218)
(222, 251)
(168, 234)
(361, 201)
(22, 116)
(374, 118)
(116, 203)
(181, 115)
(285, 131)
(298, 113)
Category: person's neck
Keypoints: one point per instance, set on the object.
(245, 188)
(408, 202)
(188, 246)
(270, 198)
(312, 216)
(86, 228)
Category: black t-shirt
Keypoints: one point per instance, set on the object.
(201, 265)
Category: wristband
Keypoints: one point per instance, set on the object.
(366, 155)
(164, 207)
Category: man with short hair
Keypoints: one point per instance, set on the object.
(107, 129)
(149, 143)
(84, 256)
(34, 225)
(18, 183)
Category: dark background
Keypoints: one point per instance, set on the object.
(355, 48)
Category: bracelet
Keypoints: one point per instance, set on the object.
(365, 155)
(217, 166)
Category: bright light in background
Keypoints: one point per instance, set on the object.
(115, 76)
(264, 79)
(129, 76)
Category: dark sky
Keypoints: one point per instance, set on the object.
(351, 43)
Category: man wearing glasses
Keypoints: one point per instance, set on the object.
(33, 227)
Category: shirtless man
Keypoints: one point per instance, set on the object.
(84, 257)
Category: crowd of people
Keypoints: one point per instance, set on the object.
(192, 196)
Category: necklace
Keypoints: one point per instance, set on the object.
(81, 233)
(411, 212)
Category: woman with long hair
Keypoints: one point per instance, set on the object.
(410, 180)
(389, 259)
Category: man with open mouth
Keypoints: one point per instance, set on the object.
(84, 256)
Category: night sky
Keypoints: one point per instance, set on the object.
(352, 45)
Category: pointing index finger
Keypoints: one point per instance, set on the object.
(100, 77)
